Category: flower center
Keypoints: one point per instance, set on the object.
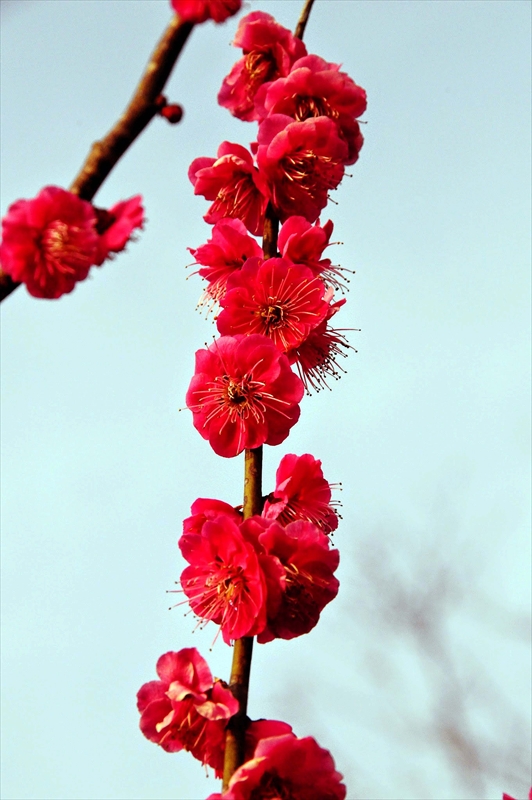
(62, 248)
(223, 585)
(260, 67)
(237, 394)
(312, 172)
(307, 107)
(235, 199)
(273, 316)
(272, 787)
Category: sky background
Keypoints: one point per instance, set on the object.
(417, 677)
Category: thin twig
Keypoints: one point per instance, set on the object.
(105, 153)
(140, 111)
(235, 740)
(303, 19)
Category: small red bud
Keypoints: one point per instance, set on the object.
(172, 112)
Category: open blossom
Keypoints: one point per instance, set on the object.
(224, 582)
(280, 300)
(507, 796)
(303, 243)
(224, 253)
(286, 767)
(204, 509)
(302, 162)
(116, 225)
(309, 563)
(316, 88)
(50, 242)
(301, 493)
(243, 394)
(269, 52)
(197, 11)
(234, 184)
(317, 357)
(186, 709)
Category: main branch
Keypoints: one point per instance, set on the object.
(235, 742)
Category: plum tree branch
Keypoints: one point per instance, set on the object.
(235, 741)
(106, 152)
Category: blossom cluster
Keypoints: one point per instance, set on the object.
(271, 573)
(188, 709)
(307, 112)
(268, 576)
(51, 241)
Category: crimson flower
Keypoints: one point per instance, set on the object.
(302, 243)
(269, 52)
(116, 225)
(280, 300)
(317, 357)
(224, 582)
(243, 394)
(301, 493)
(224, 253)
(197, 11)
(507, 796)
(203, 509)
(316, 88)
(302, 162)
(234, 184)
(305, 554)
(50, 242)
(263, 729)
(289, 768)
(186, 709)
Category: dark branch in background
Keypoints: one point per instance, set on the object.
(140, 111)
(414, 597)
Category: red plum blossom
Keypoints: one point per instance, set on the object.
(203, 509)
(197, 11)
(186, 709)
(317, 357)
(234, 184)
(243, 394)
(50, 242)
(224, 582)
(269, 51)
(116, 225)
(303, 243)
(224, 253)
(305, 554)
(301, 493)
(286, 767)
(315, 88)
(302, 162)
(275, 298)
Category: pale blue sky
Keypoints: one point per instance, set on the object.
(429, 431)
